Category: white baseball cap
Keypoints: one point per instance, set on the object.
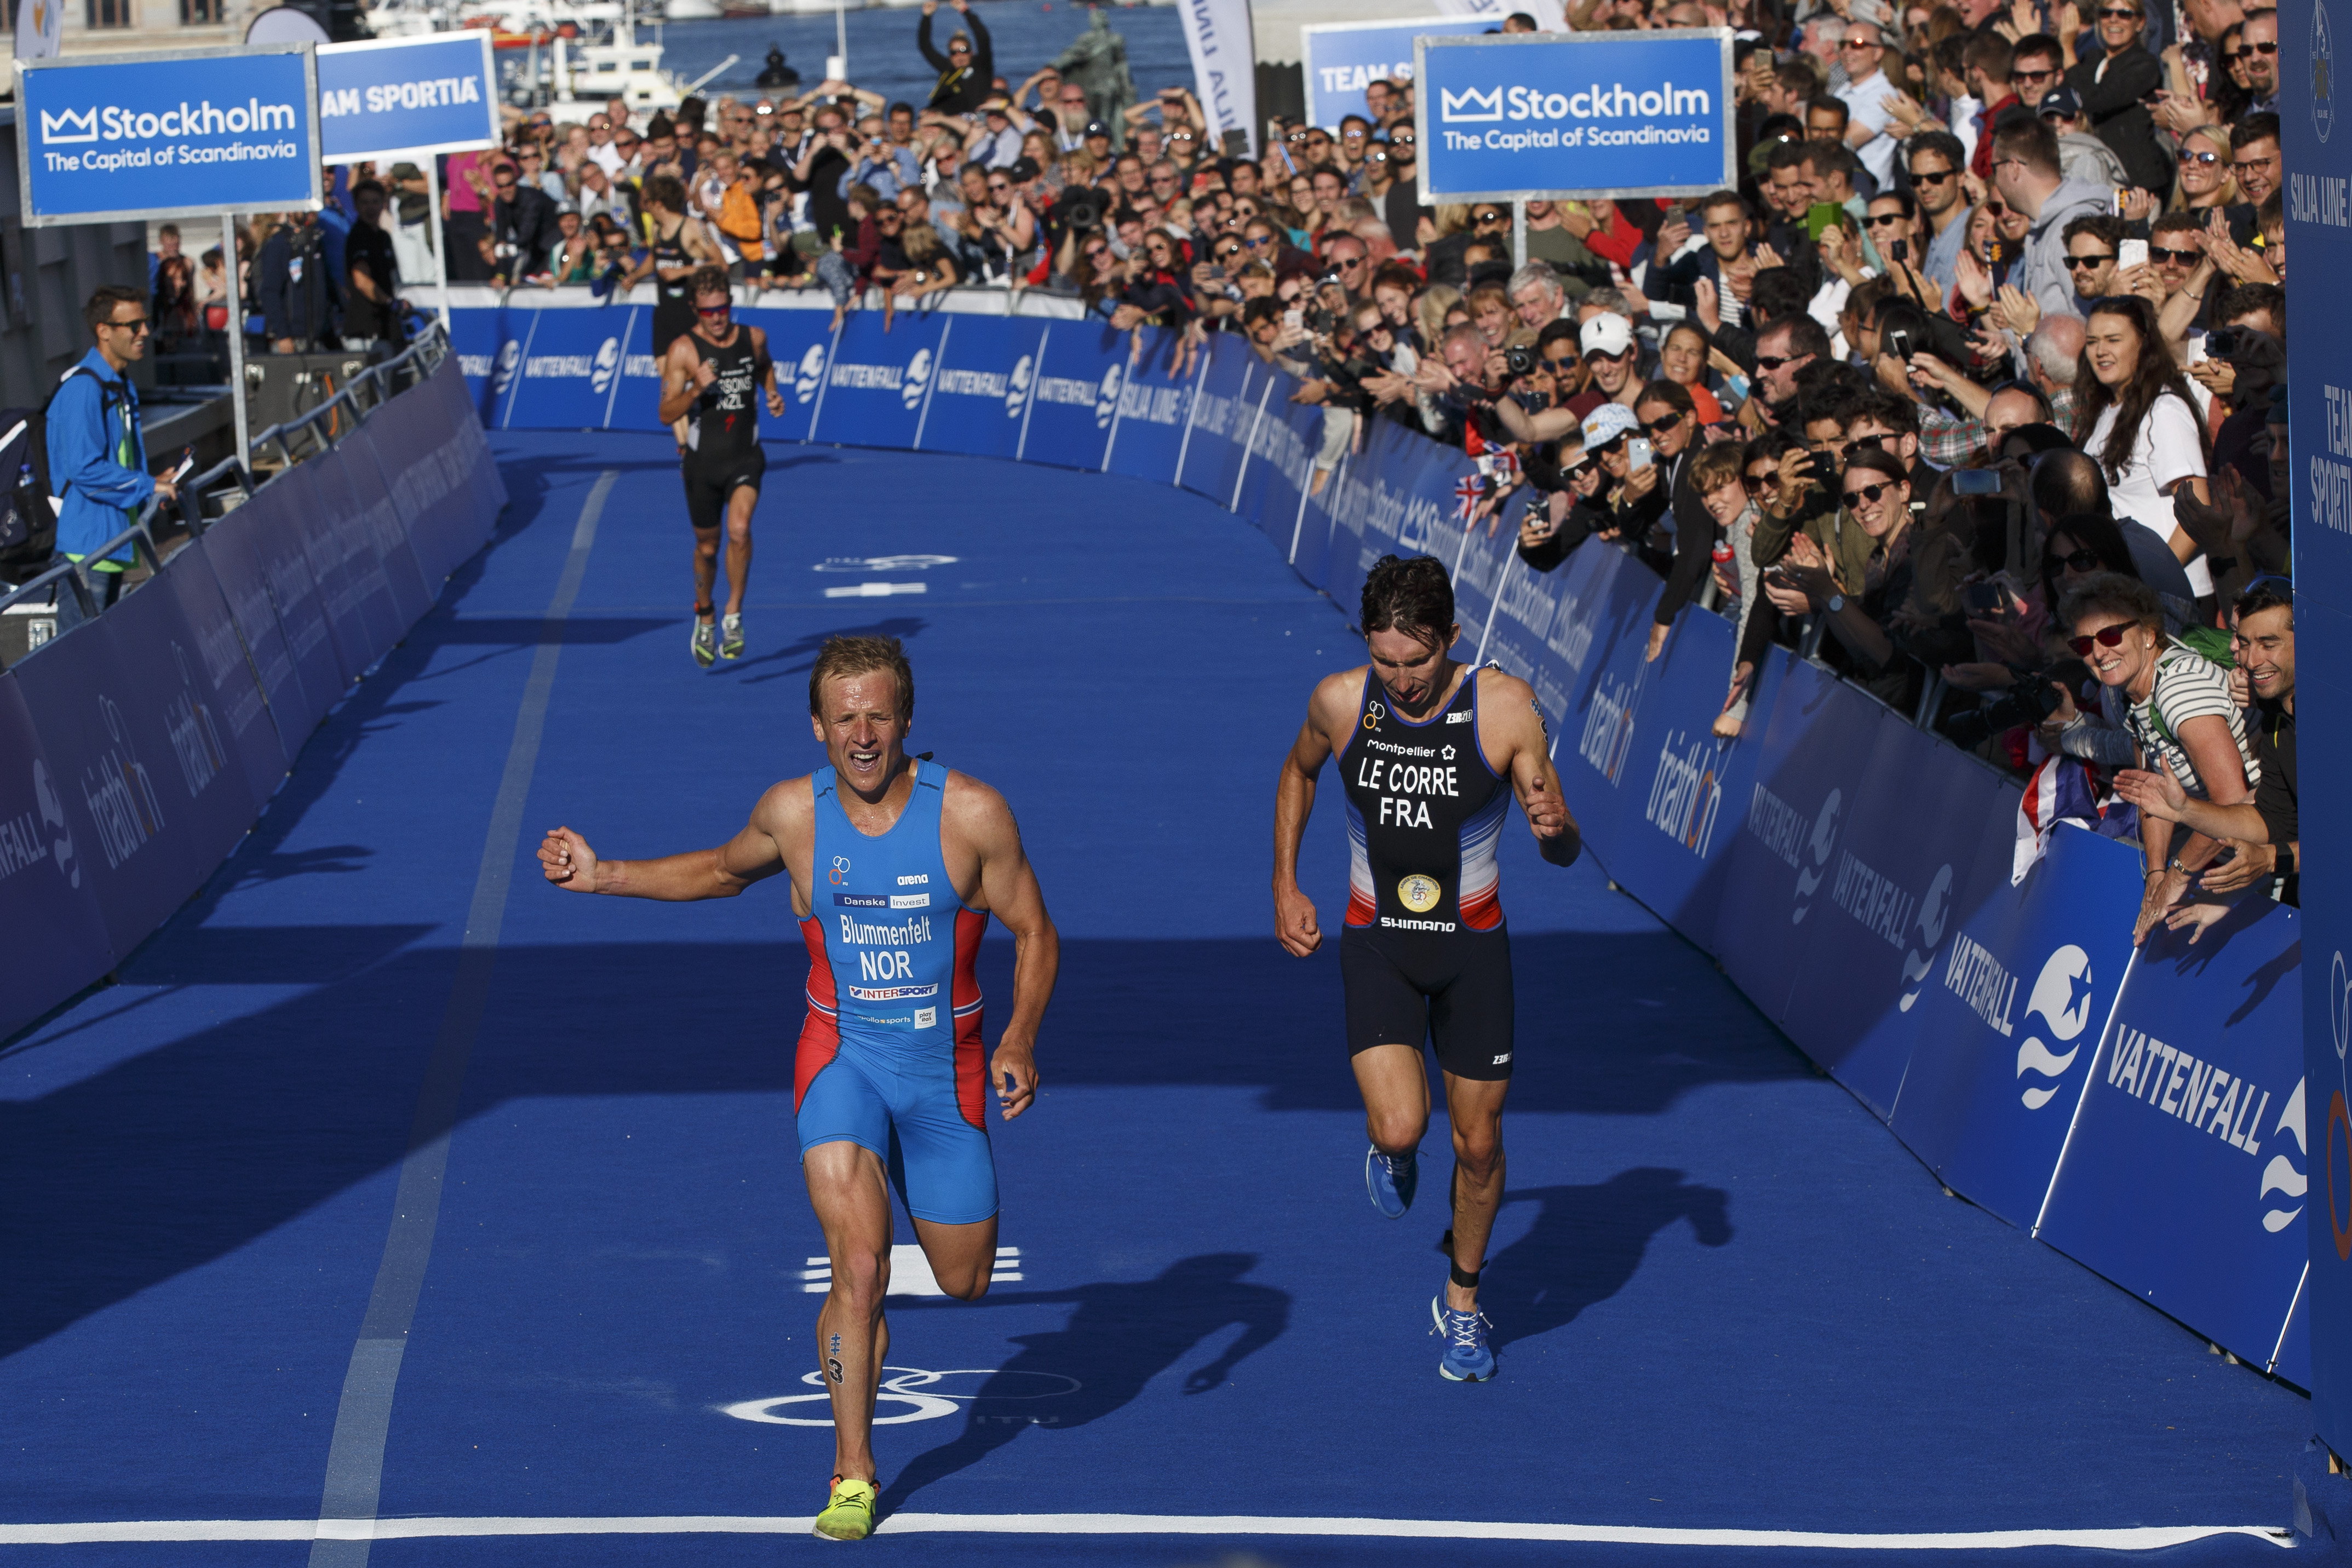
(1608, 333)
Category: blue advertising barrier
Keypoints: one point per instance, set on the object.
(1852, 872)
(2008, 1024)
(452, 436)
(1580, 114)
(569, 373)
(218, 679)
(437, 93)
(2185, 1172)
(298, 698)
(119, 136)
(48, 902)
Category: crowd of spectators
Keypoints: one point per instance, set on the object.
(1971, 388)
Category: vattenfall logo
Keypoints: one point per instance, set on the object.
(1825, 840)
(1016, 395)
(811, 374)
(509, 360)
(107, 122)
(1107, 397)
(919, 375)
(608, 361)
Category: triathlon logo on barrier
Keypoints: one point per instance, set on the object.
(605, 366)
(811, 374)
(1016, 394)
(2061, 1000)
(917, 376)
(510, 359)
(1107, 396)
(195, 739)
(120, 794)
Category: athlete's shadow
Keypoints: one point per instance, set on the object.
(1587, 1242)
(1120, 1336)
(798, 656)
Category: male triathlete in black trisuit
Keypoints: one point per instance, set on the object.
(678, 246)
(1431, 752)
(711, 371)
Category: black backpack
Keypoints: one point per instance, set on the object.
(28, 506)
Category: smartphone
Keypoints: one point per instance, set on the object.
(1975, 482)
(1983, 598)
(1639, 452)
(1899, 249)
(1820, 217)
(1216, 275)
(1898, 340)
(1294, 317)
(2131, 253)
(2197, 355)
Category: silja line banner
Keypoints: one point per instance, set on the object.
(1224, 72)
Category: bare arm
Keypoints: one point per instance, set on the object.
(775, 389)
(684, 375)
(1511, 729)
(1294, 802)
(1544, 424)
(752, 855)
(1009, 891)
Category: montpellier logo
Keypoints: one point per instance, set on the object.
(1107, 396)
(811, 374)
(1825, 840)
(607, 364)
(1933, 910)
(503, 372)
(68, 125)
(918, 376)
(1016, 396)
(53, 817)
(2061, 1000)
(1470, 105)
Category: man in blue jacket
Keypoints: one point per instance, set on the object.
(98, 456)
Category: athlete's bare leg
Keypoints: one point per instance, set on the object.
(1395, 1084)
(851, 1195)
(740, 502)
(706, 564)
(1475, 1106)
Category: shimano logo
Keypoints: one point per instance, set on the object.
(607, 362)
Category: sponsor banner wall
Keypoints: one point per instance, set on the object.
(218, 680)
(1340, 60)
(48, 902)
(433, 93)
(1155, 407)
(2317, 135)
(229, 546)
(987, 369)
(264, 531)
(2010, 1019)
(878, 386)
(2185, 1178)
(1076, 397)
(1222, 410)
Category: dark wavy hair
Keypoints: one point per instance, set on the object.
(1412, 595)
(2154, 375)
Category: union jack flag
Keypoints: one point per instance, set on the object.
(1467, 493)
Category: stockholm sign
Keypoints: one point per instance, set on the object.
(122, 137)
(1585, 114)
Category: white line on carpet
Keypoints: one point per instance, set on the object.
(2147, 1538)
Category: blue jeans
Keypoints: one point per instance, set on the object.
(106, 587)
(837, 275)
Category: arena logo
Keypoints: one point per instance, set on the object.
(1107, 396)
(917, 376)
(510, 359)
(1934, 910)
(1016, 392)
(605, 365)
(810, 376)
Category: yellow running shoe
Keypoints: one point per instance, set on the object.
(850, 1515)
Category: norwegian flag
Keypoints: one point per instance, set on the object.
(1467, 494)
(2060, 791)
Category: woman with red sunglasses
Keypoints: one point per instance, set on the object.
(2177, 706)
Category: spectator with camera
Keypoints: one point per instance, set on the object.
(1859, 598)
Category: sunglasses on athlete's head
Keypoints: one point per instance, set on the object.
(2113, 637)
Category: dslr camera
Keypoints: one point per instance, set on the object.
(1080, 209)
(2031, 698)
(1520, 360)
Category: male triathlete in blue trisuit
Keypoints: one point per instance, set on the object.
(1431, 752)
(896, 866)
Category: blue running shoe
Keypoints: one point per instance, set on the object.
(1390, 1179)
(1467, 1358)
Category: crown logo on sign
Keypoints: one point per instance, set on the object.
(1470, 104)
(69, 125)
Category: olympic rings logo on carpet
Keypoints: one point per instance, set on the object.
(910, 1386)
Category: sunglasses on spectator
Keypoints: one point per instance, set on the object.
(2035, 75)
(1923, 177)
(1859, 44)
(1774, 361)
(2259, 47)
(1870, 493)
(1660, 426)
(1180, 136)
(1232, 247)
(1404, 140)
(1606, 447)
(1258, 241)
(2113, 637)
(2073, 262)
(1885, 220)
(2243, 164)
(1488, 216)
(2164, 254)
(1577, 470)
(2080, 561)
(2118, 13)
(1376, 156)
(1757, 484)
(1863, 443)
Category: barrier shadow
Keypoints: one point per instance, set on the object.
(1121, 1335)
(168, 1159)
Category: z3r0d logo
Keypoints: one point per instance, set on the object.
(606, 365)
(929, 1396)
(2062, 1000)
(809, 375)
(1107, 396)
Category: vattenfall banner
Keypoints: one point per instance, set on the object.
(195, 132)
(1585, 114)
(2317, 132)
